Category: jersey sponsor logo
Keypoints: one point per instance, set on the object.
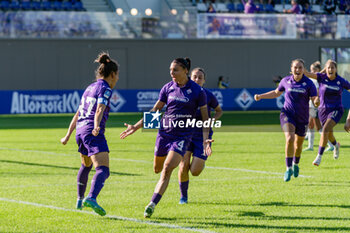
(117, 101)
(181, 99)
(336, 88)
(299, 90)
(244, 99)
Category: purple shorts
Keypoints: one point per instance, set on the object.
(334, 114)
(300, 128)
(90, 145)
(166, 143)
(197, 149)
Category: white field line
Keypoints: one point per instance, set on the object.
(109, 216)
(145, 161)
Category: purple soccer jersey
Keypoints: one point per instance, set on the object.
(297, 96)
(98, 92)
(212, 103)
(182, 104)
(330, 92)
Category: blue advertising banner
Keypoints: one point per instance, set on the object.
(268, 26)
(67, 101)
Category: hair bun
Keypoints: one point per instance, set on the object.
(103, 58)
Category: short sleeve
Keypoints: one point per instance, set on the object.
(346, 84)
(202, 98)
(281, 86)
(312, 90)
(104, 96)
(163, 94)
(213, 103)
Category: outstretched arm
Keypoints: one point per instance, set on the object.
(310, 75)
(71, 128)
(130, 129)
(268, 95)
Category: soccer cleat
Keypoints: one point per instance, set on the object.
(336, 151)
(295, 170)
(288, 175)
(329, 148)
(317, 160)
(308, 149)
(149, 210)
(90, 202)
(183, 200)
(79, 204)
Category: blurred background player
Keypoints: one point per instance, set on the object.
(90, 121)
(183, 97)
(331, 109)
(195, 148)
(294, 115)
(221, 83)
(314, 122)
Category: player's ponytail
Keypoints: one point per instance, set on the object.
(107, 65)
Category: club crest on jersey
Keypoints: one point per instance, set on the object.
(338, 83)
(189, 91)
(304, 84)
(286, 119)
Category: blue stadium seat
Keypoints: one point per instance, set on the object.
(67, 6)
(240, 7)
(261, 8)
(25, 5)
(14, 5)
(231, 7)
(46, 5)
(5, 5)
(57, 5)
(269, 8)
(36, 6)
(78, 6)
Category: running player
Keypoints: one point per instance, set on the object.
(196, 146)
(294, 115)
(331, 108)
(90, 121)
(183, 97)
(314, 122)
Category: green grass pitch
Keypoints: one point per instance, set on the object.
(240, 190)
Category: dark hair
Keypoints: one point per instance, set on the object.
(201, 70)
(184, 62)
(107, 65)
(316, 65)
(298, 60)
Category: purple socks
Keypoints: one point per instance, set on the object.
(320, 150)
(296, 160)
(82, 179)
(102, 173)
(184, 188)
(156, 198)
(289, 161)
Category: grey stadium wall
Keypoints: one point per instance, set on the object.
(40, 64)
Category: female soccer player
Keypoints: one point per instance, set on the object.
(314, 122)
(331, 108)
(196, 145)
(182, 97)
(90, 121)
(294, 115)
